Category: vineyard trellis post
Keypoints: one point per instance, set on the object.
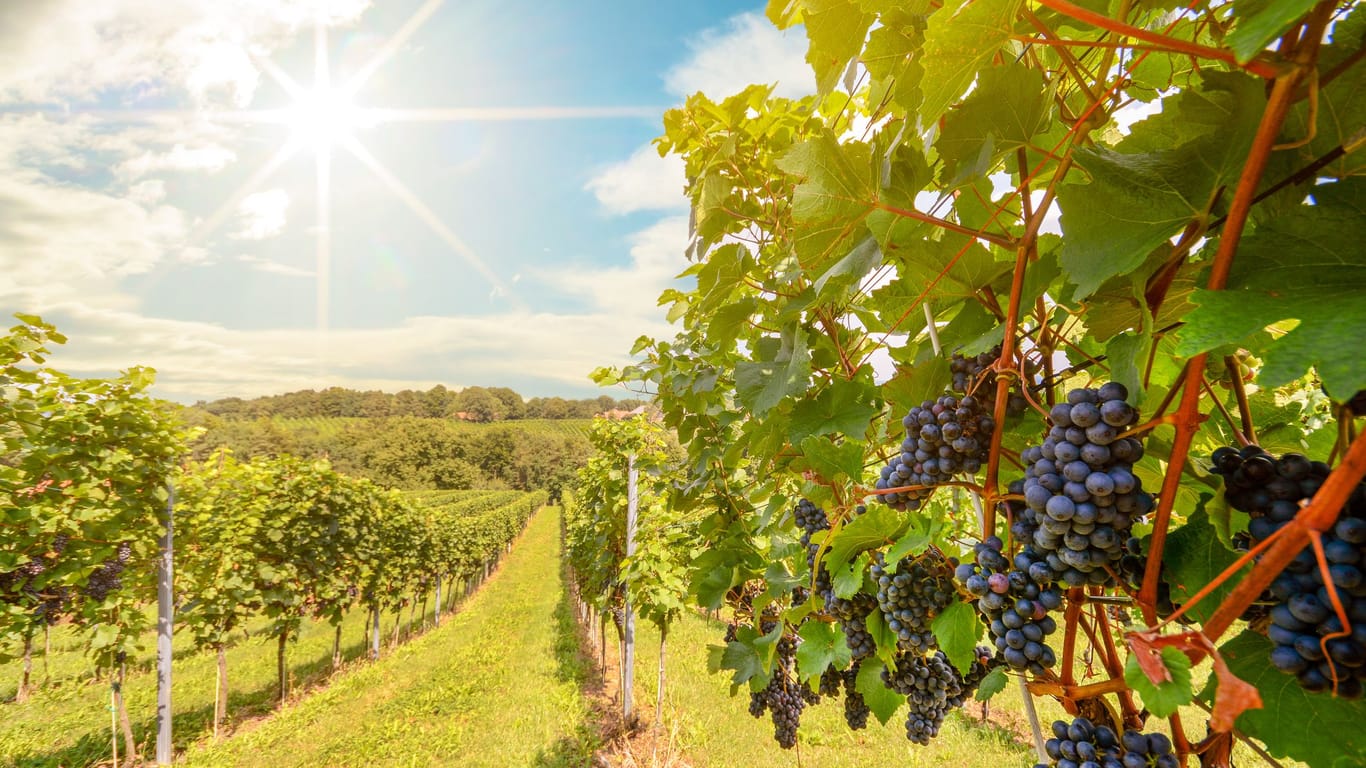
(165, 628)
(629, 644)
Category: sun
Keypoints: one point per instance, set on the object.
(323, 118)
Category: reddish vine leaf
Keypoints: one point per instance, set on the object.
(1162, 677)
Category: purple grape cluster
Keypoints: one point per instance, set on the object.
(853, 615)
(855, 708)
(972, 376)
(946, 437)
(1311, 641)
(1081, 743)
(1081, 494)
(1015, 601)
(912, 594)
(928, 683)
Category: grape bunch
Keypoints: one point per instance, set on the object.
(811, 519)
(972, 376)
(106, 578)
(929, 683)
(783, 698)
(1081, 495)
(855, 708)
(1311, 641)
(984, 660)
(1015, 602)
(853, 614)
(912, 594)
(1081, 743)
(1133, 563)
(946, 437)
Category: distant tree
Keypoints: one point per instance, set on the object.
(514, 407)
(479, 404)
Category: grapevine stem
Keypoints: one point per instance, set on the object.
(1115, 667)
(1278, 106)
(1239, 391)
(1004, 241)
(1258, 67)
(1242, 437)
(1076, 597)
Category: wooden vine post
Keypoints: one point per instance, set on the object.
(628, 655)
(165, 628)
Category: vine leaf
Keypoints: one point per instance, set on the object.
(1192, 558)
(961, 39)
(781, 368)
(1162, 677)
(1158, 179)
(848, 579)
(833, 460)
(1315, 728)
(836, 29)
(822, 646)
(881, 700)
(1260, 22)
(1306, 265)
(1234, 695)
(845, 407)
(995, 682)
(1008, 107)
(874, 528)
(957, 630)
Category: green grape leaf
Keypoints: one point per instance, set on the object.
(832, 460)
(1192, 558)
(1009, 106)
(957, 629)
(764, 382)
(1158, 179)
(847, 580)
(960, 40)
(845, 407)
(1162, 698)
(836, 29)
(822, 646)
(995, 682)
(1260, 22)
(1315, 728)
(881, 700)
(874, 528)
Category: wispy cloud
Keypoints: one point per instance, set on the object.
(643, 182)
(262, 264)
(747, 50)
(262, 215)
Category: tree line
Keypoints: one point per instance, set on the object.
(480, 404)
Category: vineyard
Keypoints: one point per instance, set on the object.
(986, 380)
(1011, 413)
(99, 510)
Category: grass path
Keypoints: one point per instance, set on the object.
(713, 730)
(496, 685)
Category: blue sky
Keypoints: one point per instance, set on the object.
(135, 214)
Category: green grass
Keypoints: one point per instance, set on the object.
(497, 685)
(67, 722)
(714, 730)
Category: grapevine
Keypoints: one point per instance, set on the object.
(966, 292)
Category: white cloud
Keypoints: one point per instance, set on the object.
(748, 50)
(632, 292)
(262, 215)
(180, 158)
(262, 264)
(645, 181)
(198, 360)
(73, 50)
